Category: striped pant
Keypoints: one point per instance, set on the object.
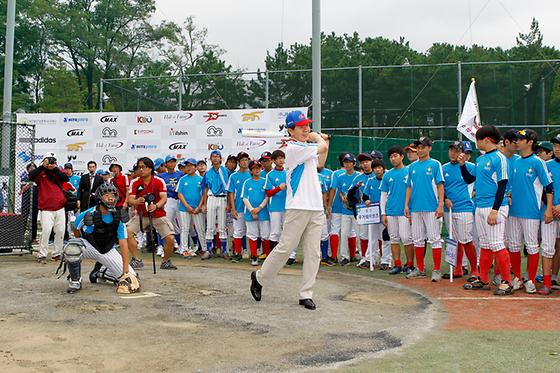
(425, 226)
(399, 230)
(189, 222)
(112, 260)
(462, 226)
(549, 235)
(524, 231)
(491, 236)
(216, 213)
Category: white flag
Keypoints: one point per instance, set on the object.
(470, 117)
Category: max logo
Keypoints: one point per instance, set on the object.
(252, 116)
(214, 131)
(213, 116)
(75, 132)
(178, 146)
(76, 147)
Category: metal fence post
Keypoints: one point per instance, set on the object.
(101, 95)
(543, 112)
(360, 103)
(180, 93)
(266, 90)
(459, 95)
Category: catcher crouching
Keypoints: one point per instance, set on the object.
(99, 229)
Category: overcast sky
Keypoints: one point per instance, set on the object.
(247, 29)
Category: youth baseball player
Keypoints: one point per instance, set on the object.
(215, 201)
(99, 229)
(189, 191)
(365, 160)
(256, 213)
(304, 209)
(171, 177)
(334, 210)
(424, 204)
(325, 259)
(235, 188)
(550, 232)
(275, 185)
(393, 193)
(490, 182)
(458, 200)
(530, 181)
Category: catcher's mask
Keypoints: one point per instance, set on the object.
(107, 195)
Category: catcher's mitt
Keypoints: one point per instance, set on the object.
(128, 284)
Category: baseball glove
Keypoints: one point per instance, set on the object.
(128, 284)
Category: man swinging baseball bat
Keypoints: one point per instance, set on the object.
(304, 209)
(100, 228)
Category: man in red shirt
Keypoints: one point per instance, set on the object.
(50, 179)
(148, 193)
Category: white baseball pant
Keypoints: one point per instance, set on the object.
(549, 234)
(216, 213)
(491, 237)
(276, 225)
(172, 212)
(189, 222)
(508, 232)
(399, 229)
(425, 226)
(462, 226)
(363, 230)
(112, 260)
(375, 234)
(52, 220)
(336, 224)
(239, 226)
(524, 231)
(348, 226)
(258, 229)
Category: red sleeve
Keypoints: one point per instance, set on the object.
(271, 192)
(133, 187)
(161, 186)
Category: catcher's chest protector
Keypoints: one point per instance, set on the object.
(104, 235)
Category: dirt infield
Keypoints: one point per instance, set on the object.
(202, 318)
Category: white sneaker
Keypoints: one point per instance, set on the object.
(498, 280)
(255, 261)
(361, 262)
(517, 284)
(159, 251)
(436, 275)
(530, 287)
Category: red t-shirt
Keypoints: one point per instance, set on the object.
(155, 187)
(122, 184)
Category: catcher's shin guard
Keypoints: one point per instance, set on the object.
(74, 278)
(73, 260)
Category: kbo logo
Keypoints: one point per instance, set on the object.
(178, 146)
(215, 146)
(144, 119)
(75, 132)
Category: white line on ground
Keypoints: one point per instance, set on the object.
(499, 298)
(146, 294)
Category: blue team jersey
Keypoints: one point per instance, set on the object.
(363, 178)
(394, 183)
(108, 219)
(277, 202)
(490, 168)
(254, 191)
(553, 167)
(235, 186)
(423, 178)
(371, 189)
(456, 189)
(530, 177)
(191, 189)
(344, 182)
(337, 203)
(216, 181)
(510, 162)
(171, 179)
(264, 173)
(75, 181)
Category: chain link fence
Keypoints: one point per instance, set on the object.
(18, 197)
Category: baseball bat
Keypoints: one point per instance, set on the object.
(263, 134)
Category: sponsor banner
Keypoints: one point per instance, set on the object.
(128, 135)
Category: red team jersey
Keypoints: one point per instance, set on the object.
(155, 187)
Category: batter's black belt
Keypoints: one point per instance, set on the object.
(219, 195)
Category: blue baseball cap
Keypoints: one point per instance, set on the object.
(170, 158)
(216, 152)
(158, 162)
(191, 161)
(467, 147)
(296, 118)
(99, 171)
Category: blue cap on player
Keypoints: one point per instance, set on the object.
(190, 161)
(158, 162)
(170, 158)
(216, 152)
(467, 147)
(296, 118)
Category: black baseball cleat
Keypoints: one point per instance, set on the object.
(93, 274)
(256, 288)
(307, 303)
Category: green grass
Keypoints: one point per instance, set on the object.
(488, 351)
